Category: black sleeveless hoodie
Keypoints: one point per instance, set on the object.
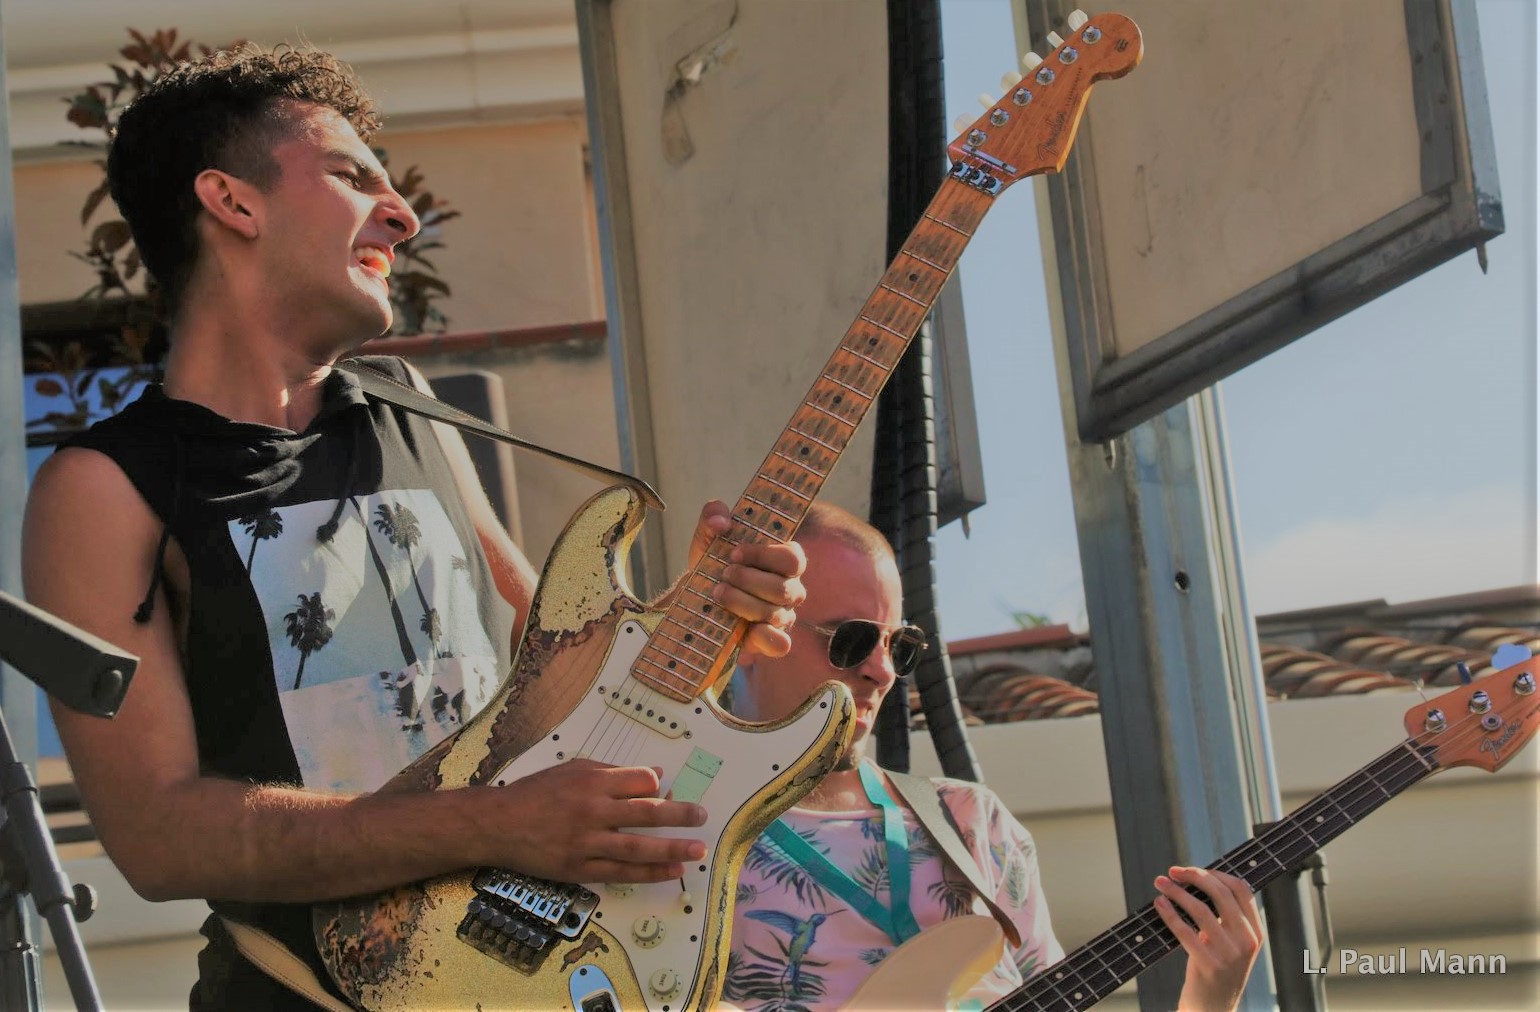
(341, 617)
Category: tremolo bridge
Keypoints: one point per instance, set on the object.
(518, 920)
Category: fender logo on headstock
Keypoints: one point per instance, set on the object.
(1496, 745)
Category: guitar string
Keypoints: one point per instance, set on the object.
(608, 737)
(1404, 769)
(1148, 920)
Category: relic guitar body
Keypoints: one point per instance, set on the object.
(485, 939)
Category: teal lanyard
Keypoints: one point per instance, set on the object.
(897, 920)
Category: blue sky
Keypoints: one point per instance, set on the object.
(1389, 454)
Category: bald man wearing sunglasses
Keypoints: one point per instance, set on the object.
(817, 907)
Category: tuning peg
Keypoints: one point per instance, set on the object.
(1076, 20)
(963, 122)
(1030, 60)
(1464, 671)
(1010, 80)
(986, 100)
(1054, 40)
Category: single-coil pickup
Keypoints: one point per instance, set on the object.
(647, 708)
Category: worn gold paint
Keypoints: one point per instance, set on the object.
(400, 950)
(799, 777)
(577, 587)
(577, 593)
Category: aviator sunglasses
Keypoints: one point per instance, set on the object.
(853, 640)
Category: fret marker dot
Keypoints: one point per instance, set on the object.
(777, 525)
(1252, 863)
(914, 277)
(1077, 995)
(1138, 938)
(804, 451)
(689, 637)
(837, 398)
(1319, 819)
(672, 665)
(872, 342)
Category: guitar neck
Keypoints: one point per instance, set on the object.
(696, 636)
(1105, 963)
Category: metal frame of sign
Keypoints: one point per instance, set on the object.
(1459, 208)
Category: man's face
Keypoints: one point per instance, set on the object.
(842, 583)
(329, 225)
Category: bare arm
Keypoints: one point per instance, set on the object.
(89, 541)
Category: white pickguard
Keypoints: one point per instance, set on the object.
(605, 728)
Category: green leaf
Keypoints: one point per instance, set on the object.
(111, 236)
(93, 201)
(428, 281)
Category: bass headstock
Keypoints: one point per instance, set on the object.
(1031, 127)
(1484, 723)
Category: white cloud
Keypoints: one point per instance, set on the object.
(1409, 549)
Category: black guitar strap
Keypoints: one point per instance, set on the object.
(920, 794)
(386, 388)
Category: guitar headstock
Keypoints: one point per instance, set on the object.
(1484, 723)
(1031, 128)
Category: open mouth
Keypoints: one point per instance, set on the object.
(373, 259)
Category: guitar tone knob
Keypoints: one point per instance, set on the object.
(664, 984)
(647, 931)
(619, 888)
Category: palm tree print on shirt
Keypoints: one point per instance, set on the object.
(399, 524)
(309, 628)
(408, 652)
(261, 527)
(784, 872)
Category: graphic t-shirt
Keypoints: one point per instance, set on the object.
(797, 946)
(340, 617)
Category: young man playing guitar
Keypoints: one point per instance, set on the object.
(313, 580)
(816, 910)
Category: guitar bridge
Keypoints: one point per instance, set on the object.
(517, 920)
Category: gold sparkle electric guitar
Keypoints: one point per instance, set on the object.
(599, 674)
(1483, 724)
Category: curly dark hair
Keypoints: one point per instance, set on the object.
(222, 112)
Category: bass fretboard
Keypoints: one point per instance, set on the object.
(1102, 965)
